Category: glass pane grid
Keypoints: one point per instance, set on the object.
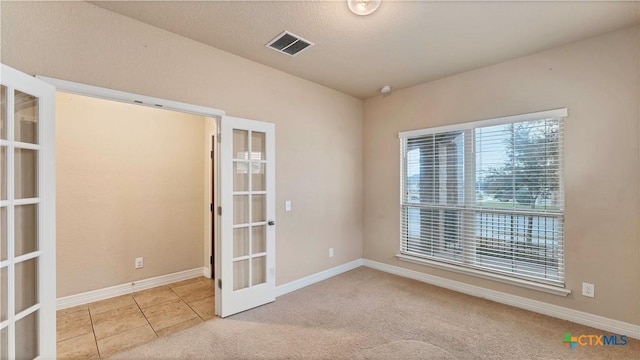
(19, 174)
(250, 184)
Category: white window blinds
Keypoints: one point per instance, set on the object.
(487, 195)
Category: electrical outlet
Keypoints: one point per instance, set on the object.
(588, 290)
(287, 205)
(330, 252)
(139, 263)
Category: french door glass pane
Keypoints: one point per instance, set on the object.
(240, 144)
(26, 118)
(259, 270)
(258, 239)
(3, 233)
(240, 242)
(26, 284)
(4, 342)
(240, 274)
(27, 337)
(26, 229)
(3, 112)
(258, 182)
(258, 203)
(26, 173)
(3, 173)
(258, 146)
(240, 176)
(240, 209)
(3, 294)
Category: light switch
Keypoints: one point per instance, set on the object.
(287, 205)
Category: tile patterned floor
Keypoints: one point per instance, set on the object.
(103, 328)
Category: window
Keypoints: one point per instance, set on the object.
(487, 196)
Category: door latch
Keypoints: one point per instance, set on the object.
(271, 222)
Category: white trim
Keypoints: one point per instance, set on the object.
(26, 146)
(555, 290)
(128, 288)
(26, 312)
(209, 181)
(217, 229)
(548, 114)
(317, 277)
(559, 312)
(122, 96)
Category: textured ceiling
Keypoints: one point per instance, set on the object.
(402, 44)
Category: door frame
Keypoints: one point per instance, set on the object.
(149, 101)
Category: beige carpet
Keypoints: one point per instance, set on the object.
(367, 314)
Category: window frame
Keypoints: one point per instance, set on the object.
(469, 181)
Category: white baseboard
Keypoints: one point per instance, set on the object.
(206, 272)
(579, 317)
(312, 279)
(128, 288)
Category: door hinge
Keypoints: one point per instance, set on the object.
(212, 154)
(211, 260)
(220, 283)
(211, 207)
(220, 210)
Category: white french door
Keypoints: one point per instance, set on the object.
(247, 189)
(27, 217)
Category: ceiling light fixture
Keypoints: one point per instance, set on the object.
(363, 7)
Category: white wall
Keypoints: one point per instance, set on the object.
(318, 130)
(598, 81)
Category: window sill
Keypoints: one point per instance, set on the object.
(486, 275)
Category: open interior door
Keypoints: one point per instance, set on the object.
(27, 217)
(247, 198)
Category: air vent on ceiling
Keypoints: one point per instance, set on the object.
(290, 44)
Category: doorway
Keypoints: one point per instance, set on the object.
(131, 186)
(245, 278)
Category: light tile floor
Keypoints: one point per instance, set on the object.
(103, 328)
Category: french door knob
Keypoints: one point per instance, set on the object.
(271, 222)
